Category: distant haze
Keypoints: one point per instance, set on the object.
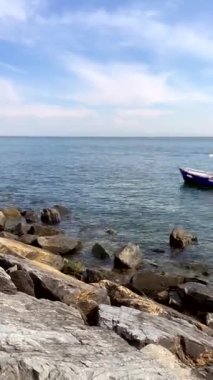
(106, 68)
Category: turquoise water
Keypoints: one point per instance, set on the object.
(129, 184)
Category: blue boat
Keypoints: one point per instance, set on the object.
(197, 178)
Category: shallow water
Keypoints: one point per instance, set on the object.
(129, 184)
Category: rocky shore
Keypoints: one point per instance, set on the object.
(63, 320)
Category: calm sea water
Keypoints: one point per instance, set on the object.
(129, 184)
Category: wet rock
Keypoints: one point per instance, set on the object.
(128, 257)
(99, 252)
(197, 296)
(2, 221)
(209, 320)
(158, 250)
(12, 217)
(180, 238)
(40, 230)
(63, 211)
(152, 283)
(16, 248)
(21, 229)
(23, 282)
(28, 239)
(163, 297)
(110, 231)
(50, 216)
(8, 235)
(59, 244)
(140, 328)
(92, 276)
(6, 285)
(30, 216)
(41, 339)
(175, 300)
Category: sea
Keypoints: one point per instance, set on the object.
(129, 185)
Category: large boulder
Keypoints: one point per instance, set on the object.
(21, 229)
(197, 296)
(140, 328)
(151, 283)
(6, 284)
(59, 244)
(180, 238)
(28, 239)
(16, 248)
(128, 257)
(63, 211)
(40, 230)
(41, 339)
(8, 235)
(23, 281)
(50, 216)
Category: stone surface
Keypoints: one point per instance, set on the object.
(140, 328)
(40, 230)
(47, 340)
(2, 221)
(12, 216)
(50, 216)
(197, 296)
(21, 229)
(99, 252)
(6, 285)
(8, 235)
(28, 239)
(23, 281)
(19, 249)
(152, 283)
(59, 244)
(73, 268)
(128, 257)
(30, 216)
(180, 238)
(209, 320)
(63, 211)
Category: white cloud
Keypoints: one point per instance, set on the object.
(9, 92)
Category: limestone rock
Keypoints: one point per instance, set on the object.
(59, 244)
(33, 253)
(140, 328)
(44, 340)
(129, 257)
(180, 238)
(50, 216)
(6, 285)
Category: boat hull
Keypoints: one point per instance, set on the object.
(198, 179)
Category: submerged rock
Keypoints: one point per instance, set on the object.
(50, 216)
(99, 252)
(63, 211)
(59, 244)
(128, 257)
(180, 238)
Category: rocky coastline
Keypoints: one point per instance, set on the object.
(61, 319)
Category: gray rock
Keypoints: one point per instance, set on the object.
(128, 257)
(177, 335)
(59, 244)
(23, 282)
(12, 218)
(6, 285)
(50, 216)
(180, 238)
(21, 229)
(8, 235)
(30, 216)
(99, 252)
(196, 295)
(152, 283)
(28, 239)
(44, 340)
(175, 300)
(209, 320)
(63, 211)
(40, 230)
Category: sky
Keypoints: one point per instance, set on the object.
(106, 67)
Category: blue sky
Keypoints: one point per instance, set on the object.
(106, 68)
